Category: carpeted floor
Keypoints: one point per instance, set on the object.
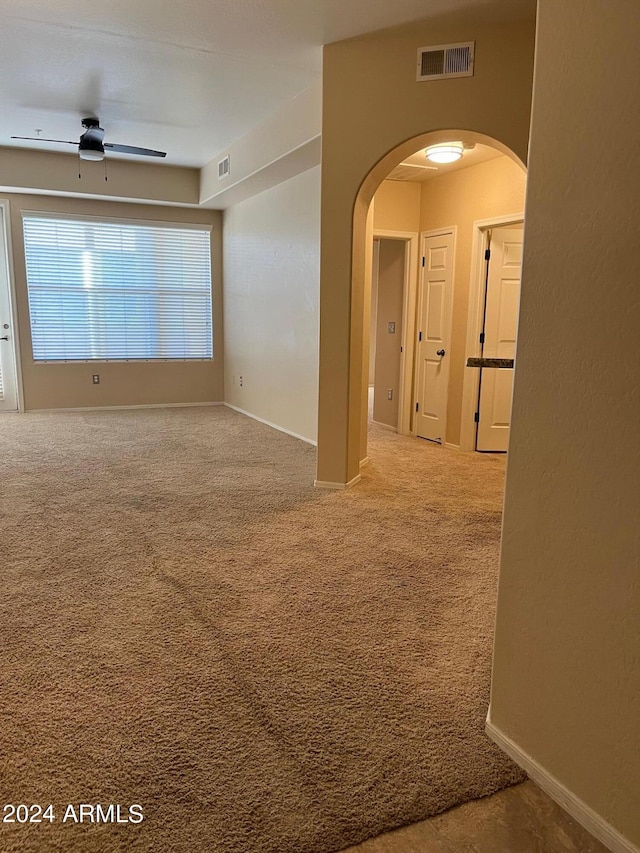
(188, 625)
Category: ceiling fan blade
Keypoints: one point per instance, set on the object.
(131, 149)
(42, 139)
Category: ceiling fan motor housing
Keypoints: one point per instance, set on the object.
(91, 146)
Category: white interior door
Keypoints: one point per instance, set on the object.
(434, 328)
(500, 326)
(8, 378)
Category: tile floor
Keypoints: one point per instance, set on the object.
(521, 819)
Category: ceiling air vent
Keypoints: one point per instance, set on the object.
(224, 167)
(445, 60)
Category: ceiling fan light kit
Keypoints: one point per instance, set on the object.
(91, 154)
(91, 145)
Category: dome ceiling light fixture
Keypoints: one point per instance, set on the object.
(444, 152)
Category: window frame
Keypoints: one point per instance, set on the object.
(135, 222)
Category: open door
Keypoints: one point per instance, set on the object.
(500, 327)
(8, 373)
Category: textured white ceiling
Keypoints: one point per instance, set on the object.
(187, 76)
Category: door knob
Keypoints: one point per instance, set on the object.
(440, 352)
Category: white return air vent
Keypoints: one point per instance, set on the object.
(445, 60)
(224, 167)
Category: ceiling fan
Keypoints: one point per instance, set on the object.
(92, 145)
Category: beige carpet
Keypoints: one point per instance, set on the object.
(188, 625)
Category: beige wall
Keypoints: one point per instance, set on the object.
(284, 145)
(374, 114)
(566, 681)
(52, 386)
(495, 188)
(397, 206)
(271, 267)
(27, 170)
(390, 279)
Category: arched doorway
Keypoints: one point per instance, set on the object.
(375, 113)
(339, 458)
(427, 296)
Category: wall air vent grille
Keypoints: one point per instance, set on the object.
(445, 60)
(432, 63)
(224, 167)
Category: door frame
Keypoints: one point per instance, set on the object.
(409, 302)
(475, 319)
(5, 236)
(424, 235)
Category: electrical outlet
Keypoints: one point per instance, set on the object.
(391, 328)
(389, 393)
(96, 378)
(241, 381)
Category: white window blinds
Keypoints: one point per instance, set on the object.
(117, 290)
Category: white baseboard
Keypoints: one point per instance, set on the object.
(584, 814)
(325, 484)
(122, 408)
(452, 446)
(364, 461)
(272, 425)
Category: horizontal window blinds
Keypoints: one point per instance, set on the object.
(110, 290)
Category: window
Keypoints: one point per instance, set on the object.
(101, 289)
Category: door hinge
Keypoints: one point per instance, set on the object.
(481, 337)
(487, 255)
(476, 418)
(423, 261)
(417, 404)
(419, 336)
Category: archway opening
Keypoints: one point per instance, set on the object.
(422, 233)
